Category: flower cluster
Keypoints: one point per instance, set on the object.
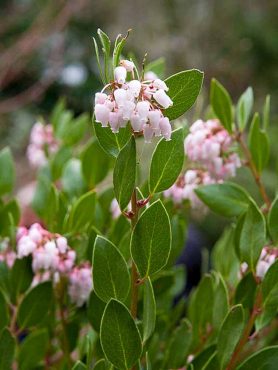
(209, 148)
(42, 143)
(139, 102)
(52, 258)
(185, 186)
(267, 258)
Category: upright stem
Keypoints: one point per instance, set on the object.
(247, 331)
(254, 171)
(134, 273)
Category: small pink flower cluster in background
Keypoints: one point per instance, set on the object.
(185, 187)
(139, 102)
(51, 259)
(6, 255)
(42, 142)
(209, 148)
(116, 210)
(267, 258)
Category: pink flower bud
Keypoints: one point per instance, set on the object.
(100, 98)
(120, 96)
(102, 114)
(159, 84)
(62, 244)
(135, 87)
(148, 133)
(127, 110)
(136, 123)
(114, 121)
(142, 108)
(120, 74)
(127, 64)
(166, 128)
(150, 76)
(162, 98)
(154, 117)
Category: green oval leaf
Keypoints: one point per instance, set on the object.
(244, 107)
(95, 164)
(221, 103)
(35, 305)
(80, 366)
(82, 212)
(110, 273)
(227, 199)
(273, 220)
(266, 358)
(184, 88)
(95, 311)
(149, 310)
(33, 349)
(229, 334)
(125, 173)
(7, 349)
(4, 313)
(252, 236)
(120, 338)
(258, 141)
(112, 143)
(7, 171)
(178, 346)
(167, 162)
(151, 240)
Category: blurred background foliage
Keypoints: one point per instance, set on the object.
(46, 51)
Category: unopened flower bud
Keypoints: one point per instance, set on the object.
(136, 123)
(128, 108)
(120, 97)
(148, 133)
(127, 64)
(162, 98)
(154, 117)
(114, 121)
(120, 74)
(135, 87)
(102, 114)
(166, 128)
(159, 84)
(100, 98)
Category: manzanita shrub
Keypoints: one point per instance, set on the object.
(92, 284)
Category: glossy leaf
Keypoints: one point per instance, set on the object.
(95, 311)
(110, 273)
(149, 310)
(244, 107)
(184, 88)
(178, 347)
(252, 236)
(273, 220)
(95, 164)
(32, 350)
(258, 144)
(7, 349)
(266, 358)
(125, 173)
(35, 305)
(229, 335)
(120, 338)
(7, 171)
(112, 143)
(221, 302)
(227, 199)
(221, 103)
(4, 313)
(246, 290)
(167, 162)
(82, 212)
(151, 240)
